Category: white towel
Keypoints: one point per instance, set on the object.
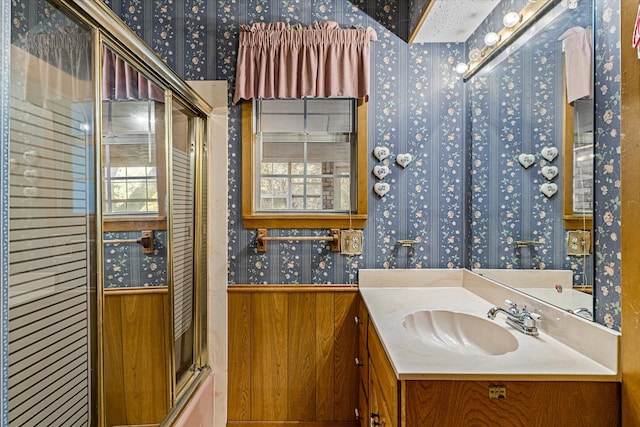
(578, 53)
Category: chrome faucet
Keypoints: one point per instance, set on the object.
(523, 320)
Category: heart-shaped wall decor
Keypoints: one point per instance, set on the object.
(381, 188)
(381, 153)
(526, 160)
(404, 159)
(549, 189)
(549, 153)
(549, 172)
(381, 171)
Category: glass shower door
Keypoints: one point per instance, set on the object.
(183, 146)
(52, 220)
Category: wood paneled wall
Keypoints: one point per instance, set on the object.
(292, 356)
(136, 355)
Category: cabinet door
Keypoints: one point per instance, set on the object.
(383, 410)
(363, 411)
(362, 320)
(381, 373)
(374, 416)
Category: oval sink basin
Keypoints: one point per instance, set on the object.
(459, 332)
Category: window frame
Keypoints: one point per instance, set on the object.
(303, 220)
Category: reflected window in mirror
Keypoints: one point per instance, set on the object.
(308, 159)
(130, 158)
(578, 165)
(133, 158)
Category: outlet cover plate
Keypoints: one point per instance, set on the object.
(351, 242)
(497, 392)
(578, 243)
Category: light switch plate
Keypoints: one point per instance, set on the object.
(351, 242)
(578, 243)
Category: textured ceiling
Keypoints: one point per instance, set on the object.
(453, 20)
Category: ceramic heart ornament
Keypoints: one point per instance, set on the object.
(549, 172)
(549, 153)
(526, 160)
(404, 159)
(381, 153)
(549, 189)
(381, 188)
(381, 171)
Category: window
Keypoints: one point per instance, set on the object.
(306, 163)
(129, 158)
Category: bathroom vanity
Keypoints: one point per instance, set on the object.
(415, 371)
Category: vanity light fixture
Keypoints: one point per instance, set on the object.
(462, 68)
(491, 39)
(514, 24)
(511, 19)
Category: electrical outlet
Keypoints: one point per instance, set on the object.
(351, 242)
(578, 243)
(497, 392)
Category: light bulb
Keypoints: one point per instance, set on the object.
(474, 54)
(461, 68)
(491, 39)
(511, 19)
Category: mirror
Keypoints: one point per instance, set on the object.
(519, 118)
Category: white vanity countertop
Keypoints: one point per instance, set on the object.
(537, 358)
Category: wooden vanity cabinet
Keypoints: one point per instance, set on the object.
(454, 403)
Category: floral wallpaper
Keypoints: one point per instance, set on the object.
(606, 222)
(126, 266)
(419, 105)
(517, 109)
(416, 107)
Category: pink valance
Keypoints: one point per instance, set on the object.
(282, 61)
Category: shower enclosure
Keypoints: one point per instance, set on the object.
(107, 254)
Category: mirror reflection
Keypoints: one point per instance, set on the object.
(523, 123)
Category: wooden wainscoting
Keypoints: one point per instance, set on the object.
(292, 356)
(136, 356)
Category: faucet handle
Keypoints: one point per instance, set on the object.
(513, 307)
(529, 319)
(534, 316)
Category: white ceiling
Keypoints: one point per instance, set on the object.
(453, 20)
